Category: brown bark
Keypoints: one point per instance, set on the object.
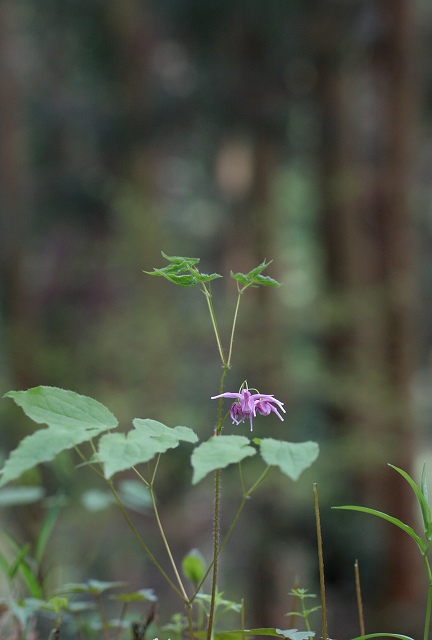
(367, 222)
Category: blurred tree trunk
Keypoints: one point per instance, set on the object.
(366, 169)
(14, 199)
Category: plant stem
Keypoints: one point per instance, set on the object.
(214, 323)
(246, 495)
(429, 598)
(359, 598)
(143, 544)
(102, 616)
(215, 554)
(167, 547)
(321, 563)
(233, 328)
(190, 620)
(121, 619)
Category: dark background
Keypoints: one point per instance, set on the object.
(297, 131)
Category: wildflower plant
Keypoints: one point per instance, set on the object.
(78, 422)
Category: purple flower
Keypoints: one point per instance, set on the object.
(247, 405)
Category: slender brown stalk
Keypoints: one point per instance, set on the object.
(291, 619)
(359, 598)
(320, 563)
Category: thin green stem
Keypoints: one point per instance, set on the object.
(233, 329)
(143, 544)
(214, 323)
(260, 480)
(220, 420)
(167, 547)
(87, 462)
(120, 620)
(246, 495)
(190, 620)
(429, 599)
(102, 615)
(305, 614)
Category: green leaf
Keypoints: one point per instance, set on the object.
(423, 484)
(383, 635)
(217, 453)
(13, 496)
(71, 418)
(118, 451)
(194, 566)
(60, 408)
(266, 281)
(292, 634)
(420, 495)
(19, 560)
(181, 259)
(47, 528)
(137, 596)
(203, 277)
(157, 430)
(292, 458)
(254, 277)
(398, 523)
(55, 604)
(94, 587)
(42, 446)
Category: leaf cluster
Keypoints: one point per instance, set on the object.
(182, 271)
(74, 419)
(421, 493)
(255, 278)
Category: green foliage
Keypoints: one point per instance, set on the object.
(292, 458)
(142, 595)
(71, 418)
(255, 277)
(14, 496)
(305, 612)
(421, 493)
(217, 453)
(291, 634)
(182, 271)
(118, 451)
(194, 566)
(92, 587)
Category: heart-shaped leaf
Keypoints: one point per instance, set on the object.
(292, 458)
(217, 453)
(118, 451)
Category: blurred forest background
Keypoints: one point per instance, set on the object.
(298, 131)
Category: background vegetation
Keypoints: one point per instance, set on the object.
(292, 130)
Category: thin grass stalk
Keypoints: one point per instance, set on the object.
(359, 598)
(320, 563)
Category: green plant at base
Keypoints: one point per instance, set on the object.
(423, 543)
(78, 422)
(301, 595)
